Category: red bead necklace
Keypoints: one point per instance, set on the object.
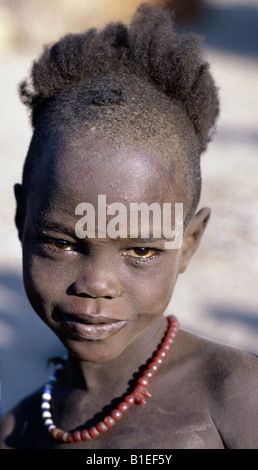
(139, 395)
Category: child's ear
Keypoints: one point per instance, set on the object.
(193, 235)
(20, 208)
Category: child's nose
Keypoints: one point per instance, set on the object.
(98, 284)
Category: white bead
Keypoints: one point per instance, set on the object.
(51, 426)
(45, 405)
(46, 414)
(48, 421)
(46, 396)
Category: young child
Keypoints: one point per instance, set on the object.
(122, 116)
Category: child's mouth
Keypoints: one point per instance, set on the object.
(92, 328)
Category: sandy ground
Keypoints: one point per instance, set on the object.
(217, 296)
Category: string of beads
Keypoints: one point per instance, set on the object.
(139, 395)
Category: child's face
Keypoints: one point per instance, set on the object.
(96, 294)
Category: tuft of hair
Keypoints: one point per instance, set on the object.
(150, 48)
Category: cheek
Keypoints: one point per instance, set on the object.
(44, 282)
(153, 292)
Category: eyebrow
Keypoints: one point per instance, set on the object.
(143, 241)
(42, 224)
(149, 240)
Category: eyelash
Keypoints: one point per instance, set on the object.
(142, 260)
(47, 241)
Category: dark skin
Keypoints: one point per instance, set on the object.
(204, 394)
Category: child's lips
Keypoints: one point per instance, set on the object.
(95, 327)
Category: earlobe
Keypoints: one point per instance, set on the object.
(193, 235)
(20, 208)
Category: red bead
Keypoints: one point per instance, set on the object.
(148, 373)
(51, 430)
(123, 407)
(60, 435)
(143, 381)
(109, 421)
(93, 432)
(168, 340)
(85, 435)
(153, 366)
(76, 436)
(70, 437)
(162, 353)
(172, 334)
(57, 433)
(140, 394)
(173, 329)
(141, 401)
(116, 414)
(129, 399)
(157, 359)
(146, 393)
(101, 427)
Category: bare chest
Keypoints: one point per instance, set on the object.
(155, 427)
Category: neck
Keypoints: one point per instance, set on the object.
(76, 409)
(118, 372)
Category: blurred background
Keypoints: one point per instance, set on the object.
(217, 296)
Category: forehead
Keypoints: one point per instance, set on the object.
(74, 170)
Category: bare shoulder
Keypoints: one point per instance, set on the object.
(7, 424)
(235, 404)
(18, 427)
(229, 377)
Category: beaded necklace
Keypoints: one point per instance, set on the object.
(139, 395)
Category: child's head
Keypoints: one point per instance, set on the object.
(145, 84)
(123, 113)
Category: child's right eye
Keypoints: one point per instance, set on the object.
(62, 245)
(57, 244)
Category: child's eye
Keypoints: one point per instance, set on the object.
(58, 244)
(141, 253)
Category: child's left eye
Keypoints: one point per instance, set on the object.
(141, 252)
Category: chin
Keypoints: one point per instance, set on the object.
(93, 351)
